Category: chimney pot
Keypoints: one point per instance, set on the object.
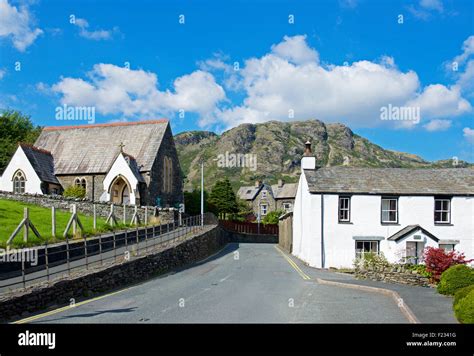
(307, 149)
(280, 183)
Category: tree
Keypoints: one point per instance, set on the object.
(14, 128)
(192, 202)
(222, 199)
(272, 217)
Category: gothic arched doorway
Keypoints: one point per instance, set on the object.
(120, 191)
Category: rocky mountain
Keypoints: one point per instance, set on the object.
(278, 147)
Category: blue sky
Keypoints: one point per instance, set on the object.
(249, 61)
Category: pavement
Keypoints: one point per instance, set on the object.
(251, 283)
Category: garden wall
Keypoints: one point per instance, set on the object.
(86, 207)
(393, 274)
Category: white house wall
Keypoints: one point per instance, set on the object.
(307, 225)
(20, 161)
(121, 167)
(339, 245)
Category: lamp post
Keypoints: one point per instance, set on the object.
(202, 192)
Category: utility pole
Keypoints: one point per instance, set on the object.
(202, 192)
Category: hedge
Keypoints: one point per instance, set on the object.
(454, 278)
(461, 293)
(464, 308)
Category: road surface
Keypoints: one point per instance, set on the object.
(243, 283)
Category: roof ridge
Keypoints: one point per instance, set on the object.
(113, 124)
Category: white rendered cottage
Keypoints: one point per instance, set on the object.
(341, 212)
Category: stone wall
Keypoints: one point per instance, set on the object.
(399, 274)
(86, 207)
(94, 282)
(241, 237)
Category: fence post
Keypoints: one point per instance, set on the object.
(95, 217)
(146, 215)
(115, 250)
(53, 221)
(26, 228)
(100, 250)
(46, 259)
(74, 225)
(67, 256)
(23, 273)
(85, 252)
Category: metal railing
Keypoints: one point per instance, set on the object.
(59, 261)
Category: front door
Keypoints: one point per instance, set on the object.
(414, 252)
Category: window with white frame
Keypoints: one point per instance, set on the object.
(363, 247)
(263, 209)
(447, 247)
(19, 182)
(442, 211)
(389, 210)
(344, 214)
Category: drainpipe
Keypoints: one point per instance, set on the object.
(322, 232)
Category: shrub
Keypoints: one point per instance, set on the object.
(454, 278)
(464, 309)
(461, 293)
(74, 191)
(421, 269)
(371, 259)
(438, 260)
(272, 217)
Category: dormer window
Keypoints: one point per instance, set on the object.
(19, 180)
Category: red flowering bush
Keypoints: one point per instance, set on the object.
(438, 260)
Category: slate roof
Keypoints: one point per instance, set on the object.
(400, 181)
(42, 162)
(408, 230)
(132, 163)
(250, 192)
(93, 148)
(287, 191)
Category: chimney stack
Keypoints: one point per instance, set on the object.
(280, 183)
(309, 160)
(257, 183)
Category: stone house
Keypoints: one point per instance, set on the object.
(132, 163)
(264, 198)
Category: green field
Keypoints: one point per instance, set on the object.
(11, 214)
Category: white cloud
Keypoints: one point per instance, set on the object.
(2, 73)
(288, 83)
(426, 8)
(438, 101)
(16, 24)
(295, 50)
(436, 5)
(134, 93)
(438, 125)
(469, 134)
(464, 65)
(96, 35)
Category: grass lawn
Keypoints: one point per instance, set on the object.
(11, 214)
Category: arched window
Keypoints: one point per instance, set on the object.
(80, 182)
(19, 182)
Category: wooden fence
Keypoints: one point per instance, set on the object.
(250, 228)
